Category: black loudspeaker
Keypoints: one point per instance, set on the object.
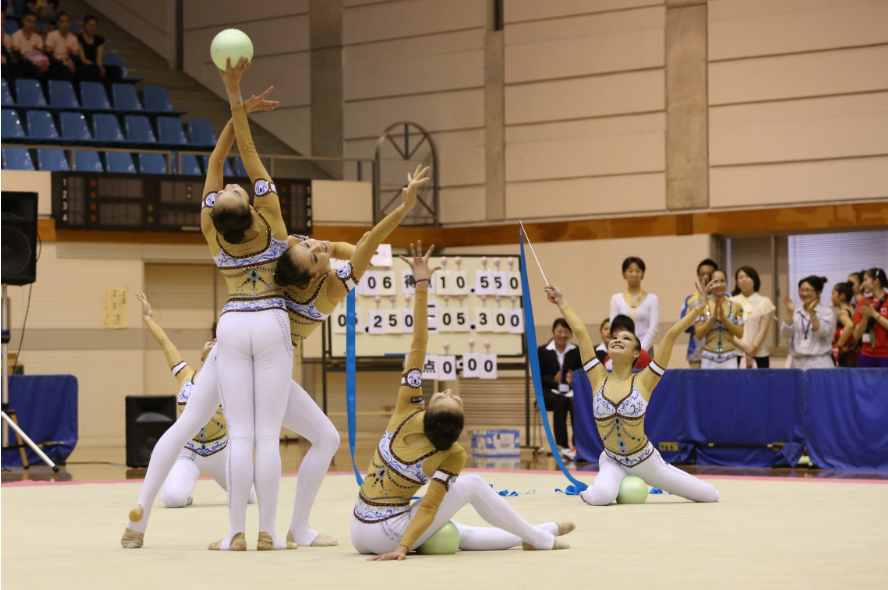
(19, 236)
(147, 418)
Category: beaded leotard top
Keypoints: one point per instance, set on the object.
(405, 459)
(719, 342)
(248, 267)
(621, 424)
(213, 437)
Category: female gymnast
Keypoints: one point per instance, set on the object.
(207, 452)
(721, 323)
(418, 447)
(620, 404)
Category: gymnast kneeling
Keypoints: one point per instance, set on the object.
(620, 403)
(419, 446)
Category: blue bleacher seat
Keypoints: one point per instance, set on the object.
(115, 59)
(29, 93)
(94, 96)
(239, 169)
(190, 165)
(201, 132)
(41, 127)
(156, 98)
(61, 95)
(152, 163)
(107, 129)
(169, 131)
(87, 162)
(226, 168)
(10, 27)
(119, 162)
(74, 127)
(138, 129)
(17, 159)
(52, 160)
(125, 97)
(11, 126)
(7, 95)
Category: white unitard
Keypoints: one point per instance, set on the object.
(508, 530)
(189, 465)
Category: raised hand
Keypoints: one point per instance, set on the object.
(258, 103)
(790, 306)
(147, 312)
(419, 264)
(553, 294)
(413, 183)
(232, 74)
(703, 297)
(809, 307)
(867, 310)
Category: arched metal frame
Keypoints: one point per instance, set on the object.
(405, 151)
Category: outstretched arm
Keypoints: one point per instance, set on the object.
(411, 383)
(366, 248)
(595, 370)
(169, 350)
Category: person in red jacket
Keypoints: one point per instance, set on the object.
(871, 320)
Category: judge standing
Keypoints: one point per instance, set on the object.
(558, 360)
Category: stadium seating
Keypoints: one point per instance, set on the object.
(61, 95)
(116, 60)
(17, 159)
(239, 169)
(190, 165)
(107, 129)
(152, 163)
(87, 162)
(74, 128)
(125, 97)
(7, 95)
(119, 162)
(94, 97)
(157, 100)
(29, 94)
(42, 129)
(52, 160)
(138, 129)
(11, 126)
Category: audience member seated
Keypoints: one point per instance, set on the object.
(625, 323)
(811, 328)
(605, 332)
(558, 360)
(720, 325)
(758, 315)
(91, 50)
(27, 46)
(643, 308)
(7, 45)
(63, 49)
(846, 349)
(871, 320)
(44, 10)
(695, 346)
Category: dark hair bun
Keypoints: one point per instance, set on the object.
(442, 427)
(234, 236)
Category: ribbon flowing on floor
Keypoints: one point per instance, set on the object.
(351, 381)
(534, 358)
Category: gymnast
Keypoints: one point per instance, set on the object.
(207, 452)
(418, 447)
(627, 451)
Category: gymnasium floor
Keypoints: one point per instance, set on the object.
(766, 532)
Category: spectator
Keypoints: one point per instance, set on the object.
(44, 10)
(605, 331)
(871, 320)
(722, 323)
(810, 328)
(856, 280)
(27, 44)
(642, 308)
(558, 360)
(63, 49)
(7, 42)
(92, 48)
(695, 346)
(758, 315)
(623, 323)
(846, 356)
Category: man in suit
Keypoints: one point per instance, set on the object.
(558, 360)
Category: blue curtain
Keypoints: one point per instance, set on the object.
(46, 409)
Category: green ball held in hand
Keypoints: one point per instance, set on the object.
(230, 43)
(444, 541)
(633, 490)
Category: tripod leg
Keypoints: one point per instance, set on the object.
(30, 442)
(19, 439)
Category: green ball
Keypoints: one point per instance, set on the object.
(633, 490)
(444, 541)
(230, 43)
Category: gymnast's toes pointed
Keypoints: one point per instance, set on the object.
(565, 528)
(559, 544)
(132, 539)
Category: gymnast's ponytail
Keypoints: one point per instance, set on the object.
(878, 274)
(442, 427)
(232, 221)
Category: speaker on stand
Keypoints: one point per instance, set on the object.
(147, 418)
(18, 213)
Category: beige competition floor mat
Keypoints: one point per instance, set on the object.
(764, 533)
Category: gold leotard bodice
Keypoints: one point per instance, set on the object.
(719, 342)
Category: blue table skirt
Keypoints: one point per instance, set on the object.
(46, 409)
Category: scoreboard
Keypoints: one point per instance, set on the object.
(156, 202)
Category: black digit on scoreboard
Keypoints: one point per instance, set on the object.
(488, 366)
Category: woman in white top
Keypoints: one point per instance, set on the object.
(642, 307)
(63, 46)
(810, 328)
(758, 315)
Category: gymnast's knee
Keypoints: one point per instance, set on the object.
(709, 495)
(469, 481)
(173, 498)
(598, 495)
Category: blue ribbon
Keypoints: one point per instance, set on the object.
(351, 381)
(507, 493)
(569, 491)
(534, 357)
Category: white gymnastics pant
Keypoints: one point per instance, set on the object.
(711, 364)
(302, 416)
(255, 367)
(508, 530)
(823, 361)
(655, 472)
(179, 484)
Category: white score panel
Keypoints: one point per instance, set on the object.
(446, 368)
(500, 320)
(340, 319)
(369, 284)
(393, 321)
(487, 366)
(514, 283)
(387, 283)
(407, 320)
(407, 283)
(484, 282)
(460, 282)
(376, 321)
(500, 282)
(471, 365)
(484, 319)
(516, 321)
(446, 318)
(444, 282)
(461, 319)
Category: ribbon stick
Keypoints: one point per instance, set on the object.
(351, 381)
(540, 266)
(534, 358)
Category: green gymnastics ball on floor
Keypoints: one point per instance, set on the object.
(230, 43)
(633, 490)
(444, 541)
